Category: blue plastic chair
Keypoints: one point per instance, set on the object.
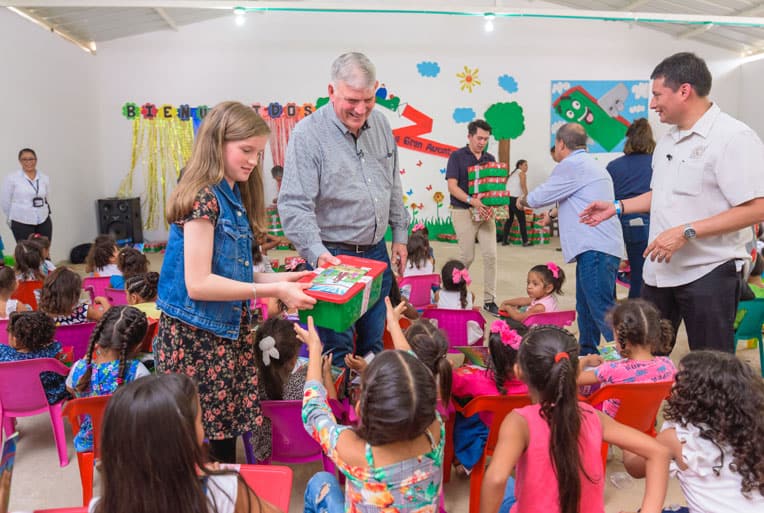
(751, 324)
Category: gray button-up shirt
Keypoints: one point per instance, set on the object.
(338, 188)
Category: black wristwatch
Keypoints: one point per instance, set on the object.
(689, 232)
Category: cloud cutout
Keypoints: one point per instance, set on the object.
(463, 114)
(636, 108)
(641, 90)
(556, 126)
(560, 87)
(509, 84)
(428, 68)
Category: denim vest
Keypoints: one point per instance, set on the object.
(231, 258)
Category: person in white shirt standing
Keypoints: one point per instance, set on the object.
(24, 199)
(707, 190)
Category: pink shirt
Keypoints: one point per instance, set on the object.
(548, 302)
(472, 381)
(660, 368)
(536, 485)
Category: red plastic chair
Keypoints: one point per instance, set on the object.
(639, 406)
(454, 323)
(22, 395)
(4, 331)
(116, 297)
(94, 407)
(499, 406)
(290, 443)
(147, 346)
(387, 339)
(561, 318)
(270, 482)
(77, 336)
(97, 285)
(421, 288)
(25, 292)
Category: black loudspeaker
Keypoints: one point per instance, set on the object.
(121, 218)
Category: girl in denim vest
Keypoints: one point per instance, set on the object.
(207, 282)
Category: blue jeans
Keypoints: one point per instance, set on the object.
(635, 237)
(324, 494)
(370, 327)
(595, 285)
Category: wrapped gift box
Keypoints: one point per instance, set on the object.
(343, 292)
(537, 234)
(488, 182)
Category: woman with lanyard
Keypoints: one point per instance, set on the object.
(24, 199)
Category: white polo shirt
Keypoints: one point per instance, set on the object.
(18, 193)
(698, 173)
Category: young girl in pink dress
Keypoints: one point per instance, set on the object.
(544, 282)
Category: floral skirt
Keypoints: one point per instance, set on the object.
(224, 370)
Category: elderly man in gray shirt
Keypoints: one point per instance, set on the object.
(342, 189)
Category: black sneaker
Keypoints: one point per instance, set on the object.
(492, 308)
(527, 243)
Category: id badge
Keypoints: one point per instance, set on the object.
(38, 202)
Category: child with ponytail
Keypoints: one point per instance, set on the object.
(455, 278)
(108, 362)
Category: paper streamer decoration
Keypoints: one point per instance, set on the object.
(409, 136)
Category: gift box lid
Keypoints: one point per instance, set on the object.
(339, 283)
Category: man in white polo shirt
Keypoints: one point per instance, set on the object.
(707, 191)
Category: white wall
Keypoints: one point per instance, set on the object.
(50, 104)
(752, 108)
(286, 57)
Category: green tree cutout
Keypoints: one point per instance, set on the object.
(507, 122)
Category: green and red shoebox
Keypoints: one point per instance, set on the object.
(488, 182)
(343, 292)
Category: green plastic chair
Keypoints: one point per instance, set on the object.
(751, 324)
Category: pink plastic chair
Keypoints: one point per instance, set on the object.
(290, 443)
(115, 296)
(560, 318)
(4, 331)
(272, 483)
(77, 336)
(78, 509)
(22, 395)
(454, 323)
(97, 284)
(421, 288)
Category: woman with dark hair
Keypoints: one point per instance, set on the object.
(24, 199)
(516, 185)
(631, 176)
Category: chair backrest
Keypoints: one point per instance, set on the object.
(421, 288)
(78, 509)
(25, 292)
(454, 323)
(4, 331)
(77, 336)
(499, 406)
(387, 339)
(116, 297)
(560, 318)
(92, 406)
(753, 318)
(272, 483)
(291, 443)
(147, 345)
(21, 391)
(98, 284)
(639, 402)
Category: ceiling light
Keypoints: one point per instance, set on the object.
(239, 16)
(489, 17)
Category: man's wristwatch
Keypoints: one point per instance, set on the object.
(468, 201)
(689, 232)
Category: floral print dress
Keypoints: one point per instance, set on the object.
(411, 485)
(224, 369)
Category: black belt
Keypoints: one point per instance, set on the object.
(356, 248)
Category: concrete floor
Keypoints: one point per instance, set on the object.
(39, 482)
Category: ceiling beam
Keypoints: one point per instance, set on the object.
(166, 17)
(88, 46)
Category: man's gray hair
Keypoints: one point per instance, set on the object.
(355, 69)
(572, 135)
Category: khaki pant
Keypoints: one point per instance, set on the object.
(466, 229)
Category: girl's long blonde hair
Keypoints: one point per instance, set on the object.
(226, 122)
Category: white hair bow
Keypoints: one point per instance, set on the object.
(268, 347)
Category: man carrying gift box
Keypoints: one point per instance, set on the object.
(576, 181)
(341, 190)
(465, 226)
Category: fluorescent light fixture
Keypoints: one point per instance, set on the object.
(239, 16)
(489, 17)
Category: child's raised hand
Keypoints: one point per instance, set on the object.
(355, 362)
(310, 336)
(326, 366)
(394, 314)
